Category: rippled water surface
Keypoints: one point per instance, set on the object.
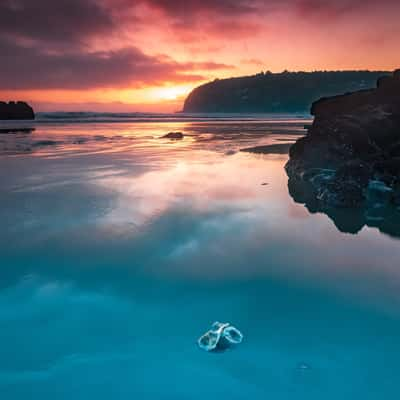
(120, 248)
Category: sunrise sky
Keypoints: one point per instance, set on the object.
(146, 55)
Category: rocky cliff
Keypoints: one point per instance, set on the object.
(16, 110)
(268, 92)
(350, 157)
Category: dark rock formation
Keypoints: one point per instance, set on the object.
(383, 216)
(16, 110)
(276, 148)
(268, 92)
(16, 130)
(173, 135)
(43, 143)
(350, 157)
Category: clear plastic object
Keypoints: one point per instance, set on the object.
(220, 337)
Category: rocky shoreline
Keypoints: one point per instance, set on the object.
(350, 157)
(16, 111)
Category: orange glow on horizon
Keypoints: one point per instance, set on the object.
(171, 93)
(148, 55)
(167, 98)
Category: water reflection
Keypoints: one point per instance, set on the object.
(114, 260)
(181, 212)
(61, 139)
(385, 218)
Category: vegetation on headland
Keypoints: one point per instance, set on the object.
(269, 92)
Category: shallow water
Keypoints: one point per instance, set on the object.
(119, 249)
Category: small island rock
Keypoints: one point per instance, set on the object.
(173, 135)
(16, 110)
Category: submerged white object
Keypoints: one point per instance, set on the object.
(221, 335)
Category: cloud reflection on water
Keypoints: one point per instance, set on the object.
(114, 262)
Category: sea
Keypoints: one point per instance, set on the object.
(119, 248)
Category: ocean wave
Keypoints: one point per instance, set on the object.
(94, 117)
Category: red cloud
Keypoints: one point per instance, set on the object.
(46, 43)
(30, 68)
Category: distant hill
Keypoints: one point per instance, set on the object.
(283, 92)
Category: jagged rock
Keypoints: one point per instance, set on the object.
(378, 193)
(350, 220)
(358, 136)
(173, 135)
(220, 337)
(350, 158)
(276, 148)
(16, 110)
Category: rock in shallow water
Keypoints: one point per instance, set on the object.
(16, 110)
(356, 135)
(173, 135)
(220, 337)
(378, 193)
(350, 159)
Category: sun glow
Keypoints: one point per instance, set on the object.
(171, 93)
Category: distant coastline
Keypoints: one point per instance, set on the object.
(286, 92)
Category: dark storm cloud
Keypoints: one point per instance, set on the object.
(46, 43)
(332, 9)
(75, 21)
(54, 20)
(242, 19)
(192, 7)
(31, 68)
(43, 46)
(186, 11)
(232, 8)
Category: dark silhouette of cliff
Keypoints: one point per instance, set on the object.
(348, 164)
(16, 110)
(282, 92)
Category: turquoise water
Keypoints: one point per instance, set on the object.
(119, 249)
